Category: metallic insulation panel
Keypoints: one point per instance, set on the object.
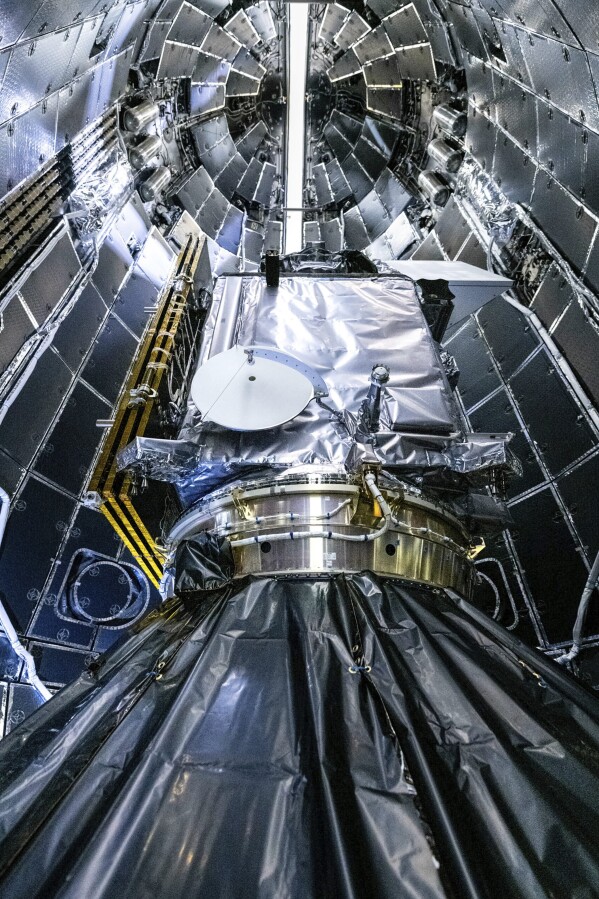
(322, 187)
(345, 67)
(240, 85)
(242, 28)
(373, 45)
(405, 27)
(210, 69)
(252, 140)
(221, 44)
(333, 19)
(206, 98)
(354, 27)
(194, 191)
(190, 26)
(177, 60)
(260, 15)
(383, 72)
(248, 65)
(417, 63)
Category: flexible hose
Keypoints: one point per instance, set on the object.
(376, 494)
(581, 615)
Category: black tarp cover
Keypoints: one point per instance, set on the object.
(297, 738)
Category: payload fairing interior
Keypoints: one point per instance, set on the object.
(299, 448)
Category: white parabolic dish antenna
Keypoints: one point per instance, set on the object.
(254, 388)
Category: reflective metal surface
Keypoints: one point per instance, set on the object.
(425, 543)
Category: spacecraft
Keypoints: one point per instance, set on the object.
(299, 449)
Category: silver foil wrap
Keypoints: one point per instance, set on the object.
(341, 327)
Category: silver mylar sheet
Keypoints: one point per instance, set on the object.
(342, 327)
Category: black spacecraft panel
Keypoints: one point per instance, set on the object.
(322, 187)
(478, 377)
(355, 232)
(114, 260)
(374, 45)
(66, 461)
(554, 569)
(339, 144)
(216, 158)
(473, 252)
(417, 63)
(381, 134)
(563, 148)
(579, 342)
(452, 229)
(332, 20)
(136, 294)
(480, 138)
(360, 181)
(231, 175)
(430, 248)
(383, 72)
(518, 112)
(374, 215)
(353, 28)
(110, 359)
(241, 27)
(11, 474)
(177, 60)
(509, 334)
(205, 98)
(251, 140)
(553, 419)
(213, 212)
(240, 85)
(563, 218)
(221, 44)
(580, 489)
(371, 160)
(564, 78)
(190, 26)
(498, 414)
(405, 27)
(260, 15)
(339, 186)
(48, 283)
(552, 297)
(194, 192)
(76, 332)
(39, 521)
(16, 328)
(210, 70)
(386, 101)
(30, 415)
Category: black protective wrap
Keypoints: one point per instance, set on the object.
(298, 738)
